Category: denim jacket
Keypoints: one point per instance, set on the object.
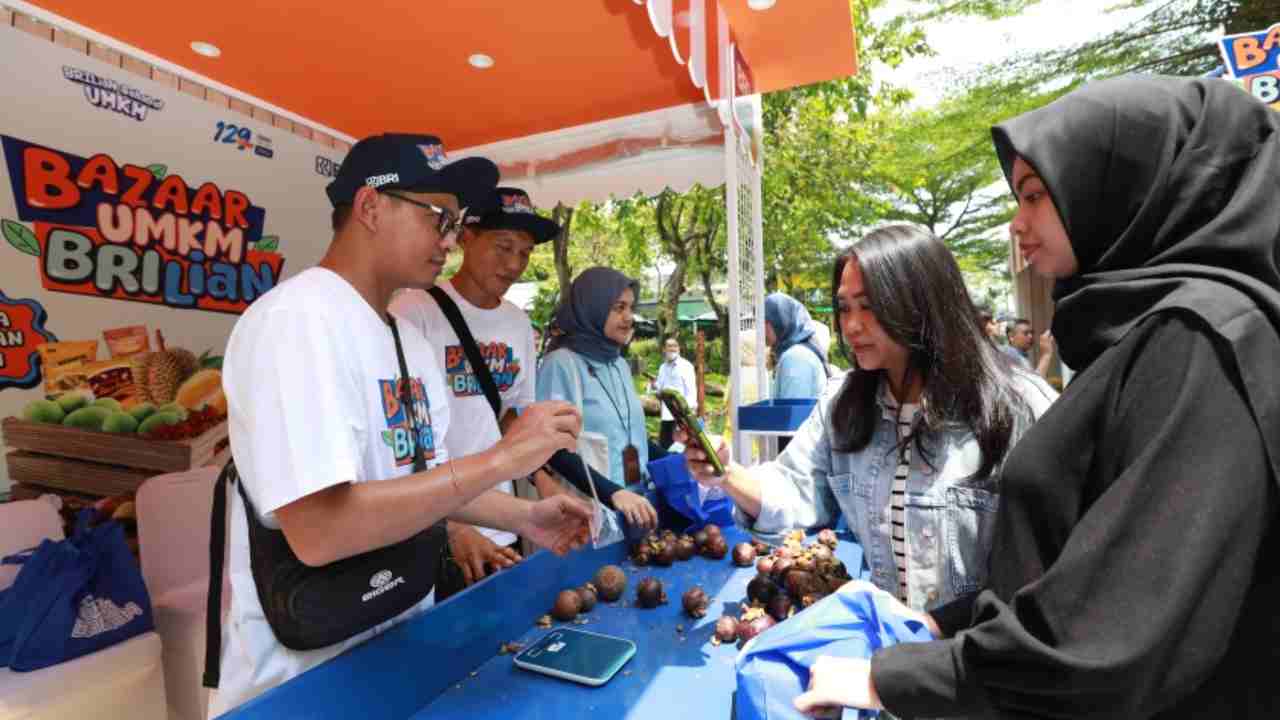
(950, 516)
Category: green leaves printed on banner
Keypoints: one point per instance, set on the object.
(268, 243)
(158, 170)
(20, 237)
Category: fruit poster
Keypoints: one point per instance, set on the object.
(136, 224)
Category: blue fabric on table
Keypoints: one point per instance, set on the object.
(854, 622)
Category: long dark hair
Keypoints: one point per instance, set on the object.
(916, 292)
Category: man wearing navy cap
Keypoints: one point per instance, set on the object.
(323, 446)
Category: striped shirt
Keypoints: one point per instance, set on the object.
(898, 498)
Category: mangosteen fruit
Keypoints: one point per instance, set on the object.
(666, 555)
(754, 621)
(649, 593)
(568, 605)
(779, 607)
(727, 629)
(588, 595)
(611, 582)
(685, 548)
(764, 565)
(744, 554)
(761, 589)
(695, 602)
(800, 583)
(782, 566)
(716, 548)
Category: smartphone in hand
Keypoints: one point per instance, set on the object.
(680, 411)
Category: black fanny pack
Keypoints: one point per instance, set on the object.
(314, 607)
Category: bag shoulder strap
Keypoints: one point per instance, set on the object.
(213, 608)
(469, 346)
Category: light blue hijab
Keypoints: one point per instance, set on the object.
(791, 323)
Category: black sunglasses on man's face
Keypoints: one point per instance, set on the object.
(450, 223)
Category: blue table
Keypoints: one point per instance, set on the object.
(445, 663)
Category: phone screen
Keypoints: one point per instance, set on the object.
(577, 654)
(675, 403)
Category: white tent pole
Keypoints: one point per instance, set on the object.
(740, 449)
(757, 249)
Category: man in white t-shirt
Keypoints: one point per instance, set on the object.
(323, 445)
(676, 373)
(495, 252)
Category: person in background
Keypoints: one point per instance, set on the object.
(908, 447)
(1133, 571)
(800, 368)
(677, 374)
(495, 253)
(822, 341)
(1021, 337)
(584, 366)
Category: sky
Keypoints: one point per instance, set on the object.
(968, 44)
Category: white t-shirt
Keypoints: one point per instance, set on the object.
(680, 376)
(310, 376)
(505, 338)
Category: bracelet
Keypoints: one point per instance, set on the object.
(453, 476)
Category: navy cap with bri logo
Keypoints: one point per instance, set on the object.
(512, 210)
(416, 163)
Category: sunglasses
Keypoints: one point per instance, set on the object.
(450, 223)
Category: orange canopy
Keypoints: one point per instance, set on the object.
(376, 65)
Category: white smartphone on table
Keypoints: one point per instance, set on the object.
(584, 657)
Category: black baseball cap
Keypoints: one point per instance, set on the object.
(416, 163)
(511, 209)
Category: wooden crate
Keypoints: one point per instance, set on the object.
(100, 463)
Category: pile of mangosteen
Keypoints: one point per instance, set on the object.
(664, 548)
(790, 578)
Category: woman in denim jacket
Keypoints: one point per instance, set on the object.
(929, 395)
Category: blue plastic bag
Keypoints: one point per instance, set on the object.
(773, 669)
(72, 597)
(678, 490)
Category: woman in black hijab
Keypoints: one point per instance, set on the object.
(1135, 570)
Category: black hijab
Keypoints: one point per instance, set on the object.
(1169, 189)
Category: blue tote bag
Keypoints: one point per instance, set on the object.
(679, 491)
(72, 597)
(854, 622)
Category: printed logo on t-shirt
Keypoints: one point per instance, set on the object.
(503, 365)
(399, 433)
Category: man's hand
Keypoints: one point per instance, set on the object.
(473, 551)
(1046, 343)
(701, 468)
(560, 524)
(547, 485)
(637, 510)
(836, 683)
(541, 430)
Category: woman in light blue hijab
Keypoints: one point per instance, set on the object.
(801, 368)
(584, 366)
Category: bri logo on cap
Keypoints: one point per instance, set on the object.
(518, 204)
(434, 154)
(377, 181)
